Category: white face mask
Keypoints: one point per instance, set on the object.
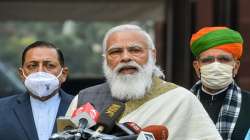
(216, 75)
(42, 84)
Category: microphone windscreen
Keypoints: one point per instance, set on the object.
(160, 132)
(88, 108)
(83, 116)
(85, 112)
(110, 115)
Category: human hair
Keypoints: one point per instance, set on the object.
(43, 44)
(128, 27)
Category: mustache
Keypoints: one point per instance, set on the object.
(131, 64)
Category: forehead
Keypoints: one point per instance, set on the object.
(40, 54)
(124, 38)
(214, 52)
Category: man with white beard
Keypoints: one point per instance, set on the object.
(133, 78)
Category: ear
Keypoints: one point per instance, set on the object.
(20, 73)
(236, 68)
(64, 75)
(196, 66)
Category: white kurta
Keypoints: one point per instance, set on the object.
(177, 109)
(182, 114)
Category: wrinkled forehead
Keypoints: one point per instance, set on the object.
(41, 54)
(126, 38)
(214, 52)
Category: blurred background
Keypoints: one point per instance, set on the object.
(78, 27)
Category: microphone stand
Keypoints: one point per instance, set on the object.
(65, 135)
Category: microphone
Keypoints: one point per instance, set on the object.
(159, 132)
(122, 130)
(145, 136)
(109, 116)
(133, 127)
(84, 116)
(151, 132)
(64, 123)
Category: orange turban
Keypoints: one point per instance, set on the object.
(217, 37)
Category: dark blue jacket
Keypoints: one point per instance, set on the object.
(16, 118)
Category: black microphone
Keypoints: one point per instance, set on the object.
(109, 116)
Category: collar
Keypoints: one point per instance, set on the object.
(219, 96)
(213, 93)
(53, 99)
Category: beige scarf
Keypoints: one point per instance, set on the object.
(158, 87)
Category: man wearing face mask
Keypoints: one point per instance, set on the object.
(134, 78)
(218, 51)
(32, 115)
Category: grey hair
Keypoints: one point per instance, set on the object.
(127, 27)
(156, 69)
(130, 27)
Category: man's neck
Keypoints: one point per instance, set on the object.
(44, 98)
(213, 91)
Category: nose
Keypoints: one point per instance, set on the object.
(126, 56)
(41, 68)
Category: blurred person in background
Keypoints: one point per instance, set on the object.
(218, 51)
(32, 115)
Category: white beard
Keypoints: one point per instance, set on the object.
(129, 86)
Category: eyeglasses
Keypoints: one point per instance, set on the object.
(220, 58)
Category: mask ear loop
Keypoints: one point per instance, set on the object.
(199, 76)
(59, 73)
(24, 75)
(234, 74)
